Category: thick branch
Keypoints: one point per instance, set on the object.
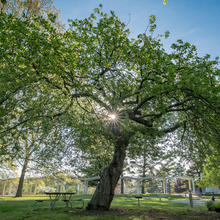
(143, 102)
(80, 95)
(200, 97)
(140, 120)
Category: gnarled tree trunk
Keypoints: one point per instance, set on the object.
(104, 192)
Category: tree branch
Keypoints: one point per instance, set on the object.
(140, 120)
(171, 129)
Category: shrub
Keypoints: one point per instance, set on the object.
(213, 206)
(217, 206)
(210, 205)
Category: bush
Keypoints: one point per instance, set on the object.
(213, 206)
(217, 206)
(210, 205)
(209, 193)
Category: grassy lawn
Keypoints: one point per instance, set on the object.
(123, 207)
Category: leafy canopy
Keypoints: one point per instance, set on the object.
(95, 69)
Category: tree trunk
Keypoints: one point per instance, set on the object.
(21, 179)
(200, 189)
(144, 172)
(10, 188)
(104, 192)
(35, 189)
(122, 186)
(4, 188)
(30, 189)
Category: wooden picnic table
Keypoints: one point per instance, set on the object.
(63, 196)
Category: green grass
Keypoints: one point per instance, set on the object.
(22, 208)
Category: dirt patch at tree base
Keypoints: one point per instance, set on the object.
(152, 214)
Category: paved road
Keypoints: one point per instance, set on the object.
(196, 202)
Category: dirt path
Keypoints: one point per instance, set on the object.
(196, 202)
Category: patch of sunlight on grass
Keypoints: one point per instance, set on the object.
(145, 202)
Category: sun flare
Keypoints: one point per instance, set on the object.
(113, 117)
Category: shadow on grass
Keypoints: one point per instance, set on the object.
(123, 207)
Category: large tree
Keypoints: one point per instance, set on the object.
(94, 75)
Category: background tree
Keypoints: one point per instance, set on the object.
(211, 171)
(7, 169)
(166, 168)
(95, 153)
(145, 155)
(194, 152)
(95, 164)
(36, 149)
(13, 84)
(180, 186)
(28, 142)
(117, 86)
(29, 8)
(196, 161)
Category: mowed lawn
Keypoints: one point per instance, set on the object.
(123, 207)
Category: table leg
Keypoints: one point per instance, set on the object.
(53, 201)
(65, 197)
(70, 201)
(52, 204)
(67, 204)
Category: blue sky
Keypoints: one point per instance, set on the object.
(195, 21)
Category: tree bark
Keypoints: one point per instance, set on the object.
(200, 189)
(21, 179)
(4, 188)
(122, 186)
(35, 189)
(10, 188)
(104, 192)
(30, 190)
(144, 172)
